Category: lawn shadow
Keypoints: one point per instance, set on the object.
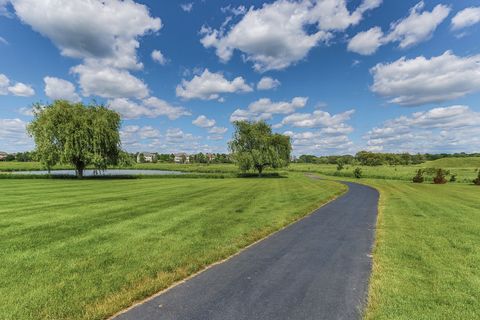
(275, 175)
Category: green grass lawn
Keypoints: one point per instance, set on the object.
(468, 162)
(87, 249)
(465, 172)
(23, 166)
(427, 254)
(7, 166)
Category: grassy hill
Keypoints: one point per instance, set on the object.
(473, 162)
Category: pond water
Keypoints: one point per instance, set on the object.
(108, 172)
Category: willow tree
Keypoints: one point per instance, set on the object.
(76, 134)
(255, 147)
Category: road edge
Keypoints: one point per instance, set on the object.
(177, 283)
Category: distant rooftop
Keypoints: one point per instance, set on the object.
(147, 154)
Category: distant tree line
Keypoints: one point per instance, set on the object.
(217, 158)
(194, 158)
(31, 156)
(20, 156)
(367, 158)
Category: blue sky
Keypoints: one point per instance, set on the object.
(338, 76)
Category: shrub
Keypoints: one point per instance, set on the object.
(477, 180)
(357, 172)
(339, 166)
(453, 178)
(418, 178)
(440, 177)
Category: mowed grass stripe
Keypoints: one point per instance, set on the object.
(40, 196)
(86, 249)
(83, 217)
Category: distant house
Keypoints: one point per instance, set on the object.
(3, 155)
(147, 156)
(210, 156)
(182, 157)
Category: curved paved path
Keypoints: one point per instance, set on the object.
(317, 268)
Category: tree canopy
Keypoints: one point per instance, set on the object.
(255, 147)
(77, 134)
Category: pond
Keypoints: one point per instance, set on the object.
(108, 172)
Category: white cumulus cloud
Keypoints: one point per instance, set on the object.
(209, 124)
(444, 129)
(275, 36)
(158, 57)
(57, 89)
(3, 8)
(94, 29)
(18, 89)
(203, 122)
(217, 130)
(151, 107)
(325, 133)
(320, 142)
(187, 7)
(366, 42)
(108, 82)
(21, 90)
(466, 18)
(4, 84)
(210, 86)
(417, 27)
(13, 135)
(264, 109)
(103, 34)
(421, 80)
(266, 105)
(267, 83)
(317, 118)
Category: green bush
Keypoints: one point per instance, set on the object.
(477, 180)
(418, 178)
(453, 178)
(357, 173)
(440, 177)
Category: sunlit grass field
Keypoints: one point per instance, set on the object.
(86, 249)
(427, 253)
(465, 169)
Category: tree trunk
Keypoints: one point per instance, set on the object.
(79, 168)
(259, 169)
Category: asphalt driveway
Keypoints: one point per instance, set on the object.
(317, 268)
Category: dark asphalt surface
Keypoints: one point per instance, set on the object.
(317, 268)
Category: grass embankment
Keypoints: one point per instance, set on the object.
(87, 249)
(427, 254)
(467, 162)
(8, 166)
(465, 173)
